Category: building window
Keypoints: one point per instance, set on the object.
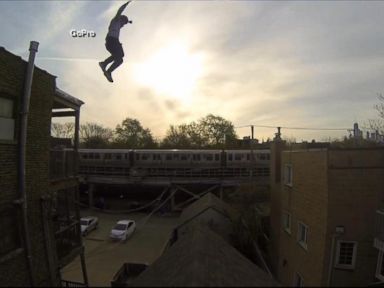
(287, 222)
(298, 281)
(302, 235)
(288, 174)
(346, 254)
(380, 266)
(7, 121)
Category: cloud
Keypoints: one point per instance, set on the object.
(272, 63)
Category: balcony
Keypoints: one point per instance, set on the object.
(62, 164)
(379, 230)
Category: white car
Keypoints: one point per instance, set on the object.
(123, 230)
(87, 224)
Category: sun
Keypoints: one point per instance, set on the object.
(172, 71)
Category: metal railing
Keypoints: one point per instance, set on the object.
(62, 164)
(379, 230)
(68, 238)
(175, 172)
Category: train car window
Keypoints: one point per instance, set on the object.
(209, 157)
(230, 156)
(176, 156)
(267, 156)
(85, 156)
(196, 157)
(90, 155)
(156, 157)
(168, 157)
(217, 157)
(144, 157)
(238, 157)
(248, 157)
(118, 157)
(108, 156)
(261, 156)
(183, 157)
(126, 156)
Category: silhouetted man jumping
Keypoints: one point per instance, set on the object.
(113, 44)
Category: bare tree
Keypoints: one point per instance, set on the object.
(65, 130)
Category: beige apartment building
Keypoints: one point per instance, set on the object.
(324, 204)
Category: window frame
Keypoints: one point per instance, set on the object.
(297, 277)
(288, 174)
(285, 227)
(346, 266)
(13, 117)
(380, 266)
(302, 243)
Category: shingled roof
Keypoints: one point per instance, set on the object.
(208, 201)
(203, 258)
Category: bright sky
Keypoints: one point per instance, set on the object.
(292, 64)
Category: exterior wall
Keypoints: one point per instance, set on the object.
(330, 188)
(306, 201)
(356, 191)
(13, 272)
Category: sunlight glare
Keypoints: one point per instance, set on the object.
(173, 71)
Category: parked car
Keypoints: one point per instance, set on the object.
(123, 230)
(88, 224)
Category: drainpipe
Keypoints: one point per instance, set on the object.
(22, 155)
(330, 267)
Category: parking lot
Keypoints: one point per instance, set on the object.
(104, 257)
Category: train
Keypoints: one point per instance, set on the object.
(174, 162)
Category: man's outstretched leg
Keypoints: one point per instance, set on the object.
(103, 64)
(111, 68)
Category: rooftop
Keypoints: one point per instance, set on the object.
(203, 258)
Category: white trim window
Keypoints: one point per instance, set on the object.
(287, 222)
(346, 254)
(302, 235)
(288, 174)
(7, 121)
(380, 266)
(298, 280)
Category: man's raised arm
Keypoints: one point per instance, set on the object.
(121, 9)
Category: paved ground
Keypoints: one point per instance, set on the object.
(104, 257)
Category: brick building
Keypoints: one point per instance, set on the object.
(323, 207)
(42, 234)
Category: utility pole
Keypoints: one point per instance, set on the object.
(252, 156)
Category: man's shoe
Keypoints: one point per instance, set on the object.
(108, 76)
(102, 66)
